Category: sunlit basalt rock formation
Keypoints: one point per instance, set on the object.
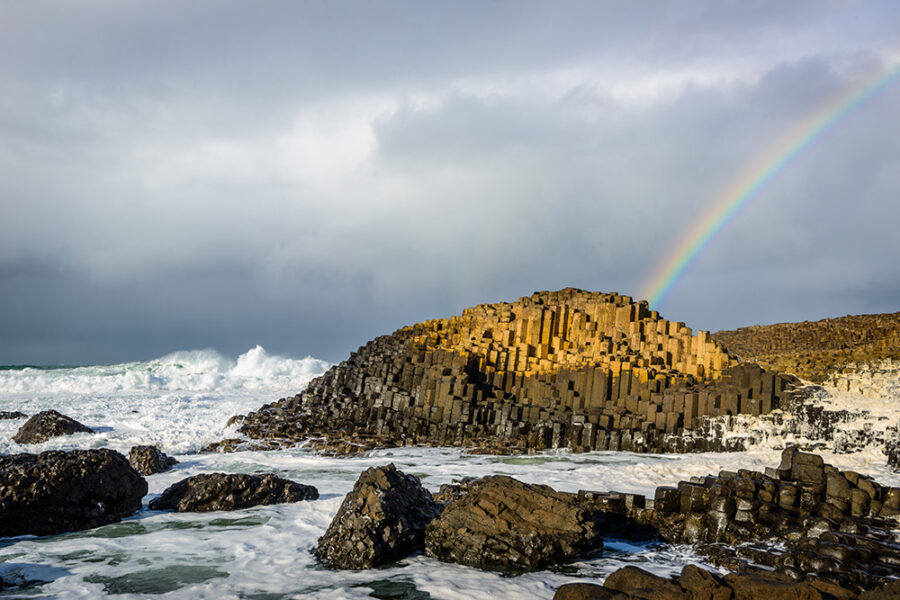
(575, 369)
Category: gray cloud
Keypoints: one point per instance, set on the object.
(311, 175)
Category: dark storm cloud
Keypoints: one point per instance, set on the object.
(308, 175)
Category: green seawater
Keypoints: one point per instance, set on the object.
(156, 581)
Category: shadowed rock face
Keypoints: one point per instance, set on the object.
(48, 424)
(221, 491)
(502, 523)
(53, 492)
(148, 460)
(382, 519)
(573, 369)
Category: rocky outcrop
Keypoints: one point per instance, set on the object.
(149, 460)
(574, 369)
(53, 492)
(6, 415)
(695, 583)
(221, 491)
(804, 519)
(815, 350)
(502, 523)
(382, 519)
(48, 424)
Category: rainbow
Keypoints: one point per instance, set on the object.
(752, 180)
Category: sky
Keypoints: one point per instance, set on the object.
(309, 175)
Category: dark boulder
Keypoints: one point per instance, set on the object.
(220, 491)
(506, 524)
(48, 424)
(382, 519)
(148, 460)
(695, 583)
(53, 492)
(641, 584)
(701, 584)
(6, 415)
(769, 586)
(587, 591)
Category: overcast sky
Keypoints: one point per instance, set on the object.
(308, 175)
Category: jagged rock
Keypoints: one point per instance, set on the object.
(382, 519)
(230, 445)
(220, 491)
(48, 424)
(53, 492)
(148, 460)
(575, 369)
(8, 415)
(503, 523)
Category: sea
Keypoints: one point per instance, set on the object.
(181, 402)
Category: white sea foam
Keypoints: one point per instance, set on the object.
(179, 402)
(191, 371)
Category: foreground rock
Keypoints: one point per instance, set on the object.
(695, 583)
(502, 523)
(575, 369)
(221, 491)
(148, 460)
(804, 519)
(382, 519)
(48, 424)
(53, 492)
(6, 415)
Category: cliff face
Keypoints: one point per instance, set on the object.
(817, 350)
(575, 369)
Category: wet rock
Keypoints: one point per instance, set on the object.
(148, 460)
(53, 492)
(641, 584)
(586, 591)
(695, 583)
(382, 519)
(231, 445)
(6, 415)
(48, 424)
(221, 491)
(770, 586)
(890, 591)
(502, 523)
(701, 584)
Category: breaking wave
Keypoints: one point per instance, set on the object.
(182, 371)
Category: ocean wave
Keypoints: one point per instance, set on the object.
(182, 371)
